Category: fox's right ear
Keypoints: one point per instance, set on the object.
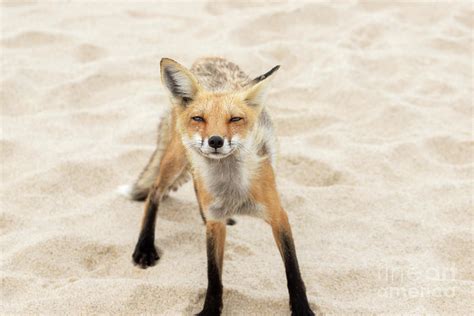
(180, 82)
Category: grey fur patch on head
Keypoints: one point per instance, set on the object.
(217, 74)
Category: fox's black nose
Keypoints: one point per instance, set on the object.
(216, 142)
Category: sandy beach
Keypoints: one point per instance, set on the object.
(373, 110)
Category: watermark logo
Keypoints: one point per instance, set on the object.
(402, 282)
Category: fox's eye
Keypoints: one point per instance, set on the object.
(235, 119)
(198, 118)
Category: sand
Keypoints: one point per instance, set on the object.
(373, 108)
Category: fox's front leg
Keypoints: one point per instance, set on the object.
(215, 240)
(145, 254)
(282, 233)
(276, 216)
(172, 166)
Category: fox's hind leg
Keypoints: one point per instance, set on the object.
(140, 189)
(142, 186)
(172, 167)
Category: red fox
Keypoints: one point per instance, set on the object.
(219, 132)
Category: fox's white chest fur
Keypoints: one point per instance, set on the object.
(229, 181)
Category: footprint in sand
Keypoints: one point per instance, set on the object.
(449, 46)
(8, 223)
(15, 288)
(452, 249)
(308, 172)
(31, 39)
(8, 149)
(86, 53)
(66, 256)
(367, 35)
(465, 19)
(452, 151)
(17, 98)
(280, 54)
(236, 250)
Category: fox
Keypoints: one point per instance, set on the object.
(218, 133)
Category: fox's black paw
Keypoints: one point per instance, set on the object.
(304, 311)
(212, 306)
(145, 255)
(216, 311)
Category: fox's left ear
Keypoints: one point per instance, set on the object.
(180, 82)
(256, 91)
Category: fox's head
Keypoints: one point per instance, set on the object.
(214, 124)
